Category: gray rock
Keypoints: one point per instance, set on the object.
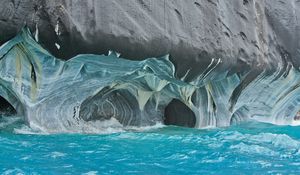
(245, 34)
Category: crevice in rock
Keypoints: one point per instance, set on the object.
(6, 108)
(213, 3)
(245, 2)
(243, 35)
(242, 15)
(179, 16)
(177, 113)
(227, 34)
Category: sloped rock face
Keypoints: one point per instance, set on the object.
(245, 34)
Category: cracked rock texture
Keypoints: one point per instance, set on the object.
(246, 34)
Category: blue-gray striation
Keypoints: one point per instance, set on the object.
(68, 96)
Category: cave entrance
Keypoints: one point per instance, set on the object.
(177, 113)
(6, 108)
(111, 103)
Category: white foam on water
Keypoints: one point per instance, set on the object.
(56, 154)
(261, 144)
(24, 129)
(145, 128)
(92, 127)
(253, 149)
(91, 173)
(295, 123)
(13, 171)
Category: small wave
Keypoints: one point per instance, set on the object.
(278, 140)
(56, 154)
(91, 173)
(24, 129)
(145, 128)
(14, 171)
(92, 127)
(253, 149)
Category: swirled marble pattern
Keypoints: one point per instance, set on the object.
(67, 96)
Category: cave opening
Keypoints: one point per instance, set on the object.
(6, 109)
(177, 113)
(111, 103)
(10, 116)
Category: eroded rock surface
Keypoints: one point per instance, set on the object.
(80, 94)
(245, 34)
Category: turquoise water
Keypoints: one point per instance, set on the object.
(249, 148)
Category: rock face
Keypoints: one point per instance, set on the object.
(243, 33)
(234, 60)
(79, 94)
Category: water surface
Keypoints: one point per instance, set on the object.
(249, 148)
